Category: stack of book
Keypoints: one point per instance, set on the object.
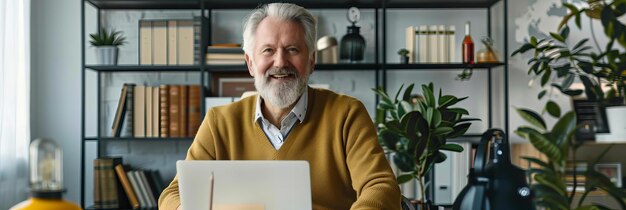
(171, 42)
(117, 187)
(157, 111)
(225, 55)
(431, 44)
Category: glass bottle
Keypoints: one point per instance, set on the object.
(468, 46)
(352, 45)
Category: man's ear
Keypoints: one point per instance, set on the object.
(249, 64)
(312, 61)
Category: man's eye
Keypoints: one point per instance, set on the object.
(293, 50)
(267, 50)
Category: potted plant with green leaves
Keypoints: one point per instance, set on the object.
(554, 60)
(416, 132)
(597, 69)
(404, 55)
(106, 44)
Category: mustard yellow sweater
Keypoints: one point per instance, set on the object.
(337, 138)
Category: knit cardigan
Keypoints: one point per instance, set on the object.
(347, 165)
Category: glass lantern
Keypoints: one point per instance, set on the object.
(46, 178)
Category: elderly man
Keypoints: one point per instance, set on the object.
(288, 120)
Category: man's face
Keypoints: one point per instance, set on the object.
(279, 61)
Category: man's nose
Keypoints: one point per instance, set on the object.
(280, 59)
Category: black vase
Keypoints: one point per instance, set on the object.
(352, 45)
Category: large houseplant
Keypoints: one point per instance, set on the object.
(106, 43)
(554, 60)
(599, 68)
(549, 178)
(416, 131)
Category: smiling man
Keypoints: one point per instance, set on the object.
(288, 120)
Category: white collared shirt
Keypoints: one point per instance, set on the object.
(275, 135)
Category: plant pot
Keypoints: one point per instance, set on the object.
(106, 55)
(617, 125)
(404, 59)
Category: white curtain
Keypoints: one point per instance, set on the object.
(14, 100)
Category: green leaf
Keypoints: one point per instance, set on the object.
(546, 76)
(545, 146)
(580, 43)
(407, 93)
(404, 178)
(459, 111)
(523, 48)
(532, 117)
(404, 162)
(565, 32)
(549, 184)
(563, 129)
(459, 130)
(442, 131)
(447, 100)
(388, 139)
(557, 37)
(541, 94)
(398, 93)
(428, 95)
(553, 109)
(440, 157)
(452, 147)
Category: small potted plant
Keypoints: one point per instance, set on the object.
(106, 44)
(404, 55)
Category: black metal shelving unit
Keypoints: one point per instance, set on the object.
(379, 66)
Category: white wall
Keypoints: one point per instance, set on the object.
(55, 47)
(56, 67)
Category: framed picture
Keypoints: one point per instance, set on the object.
(231, 84)
(611, 170)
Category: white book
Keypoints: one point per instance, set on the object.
(422, 51)
(159, 42)
(172, 42)
(410, 43)
(443, 44)
(149, 111)
(433, 48)
(451, 44)
(185, 42)
(139, 111)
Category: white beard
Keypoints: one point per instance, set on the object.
(284, 93)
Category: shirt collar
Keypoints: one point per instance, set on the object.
(299, 110)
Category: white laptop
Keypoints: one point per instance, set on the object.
(271, 185)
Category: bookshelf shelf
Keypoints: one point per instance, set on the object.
(139, 68)
(139, 139)
(452, 66)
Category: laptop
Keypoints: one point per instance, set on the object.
(244, 184)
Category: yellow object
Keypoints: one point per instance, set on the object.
(486, 56)
(45, 204)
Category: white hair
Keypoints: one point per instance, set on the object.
(282, 11)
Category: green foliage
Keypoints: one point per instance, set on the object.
(106, 38)
(556, 144)
(554, 60)
(416, 132)
(403, 52)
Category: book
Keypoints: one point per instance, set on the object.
(442, 44)
(183, 108)
(225, 56)
(139, 129)
(164, 120)
(200, 29)
(451, 44)
(159, 42)
(143, 203)
(119, 114)
(156, 111)
(172, 42)
(145, 42)
(185, 42)
(145, 189)
(128, 188)
(194, 112)
(105, 184)
(174, 111)
(149, 106)
(423, 46)
(433, 47)
(410, 43)
(128, 127)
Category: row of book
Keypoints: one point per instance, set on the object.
(171, 42)
(115, 186)
(225, 55)
(157, 111)
(431, 44)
